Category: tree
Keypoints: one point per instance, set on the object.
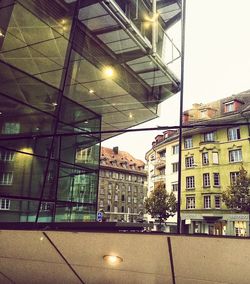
(237, 196)
(161, 204)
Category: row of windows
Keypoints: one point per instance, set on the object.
(190, 180)
(122, 176)
(190, 202)
(122, 209)
(123, 198)
(233, 134)
(5, 205)
(234, 156)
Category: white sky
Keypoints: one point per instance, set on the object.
(217, 64)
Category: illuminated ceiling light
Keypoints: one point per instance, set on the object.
(54, 104)
(1, 34)
(63, 22)
(112, 259)
(86, 122)
(153, 19)
(41, 239)
(130, 115)
(1, 113)
(91, 91)
(108, 71)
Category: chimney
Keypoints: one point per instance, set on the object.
(116, 150)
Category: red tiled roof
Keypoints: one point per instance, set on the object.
(122, 157)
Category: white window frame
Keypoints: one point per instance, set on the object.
(207, 202)
(206, 180)
(175, 149)
(205, 159)
(175, 167)
(190, 182)
(174, 186)
(229, 107)
(217, 202)
(188, 143)
(216, 177)
(6, 178)
(233, 177)
(190, 202)
(209, 136)
(7, 156)
(233, 133)
(235, 156)
(4, 204)
(189, 162)
(215, 156)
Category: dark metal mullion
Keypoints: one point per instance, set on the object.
(126, 130)
(60, 99)
(170, 252)
(62, 256)
(183, 14)
(58, 162)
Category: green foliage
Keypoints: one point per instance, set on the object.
(161, 204)
(237, 196)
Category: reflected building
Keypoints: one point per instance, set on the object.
(69, 71)
(215, 145)
(122, 186)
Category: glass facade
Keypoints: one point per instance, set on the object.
(69, 70)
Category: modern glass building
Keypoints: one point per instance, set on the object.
(71, 73)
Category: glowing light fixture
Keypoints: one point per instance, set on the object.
(108, 71)
(1, 113)
(41, 239)
(112, 259)
(91, 91)
(153, 19)
(1, 34)
(130, 115)
(54, 104)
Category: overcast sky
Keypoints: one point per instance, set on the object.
(217, 64)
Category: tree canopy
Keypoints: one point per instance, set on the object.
(237, 196)
(160, 204)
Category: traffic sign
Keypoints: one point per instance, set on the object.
(99, 216)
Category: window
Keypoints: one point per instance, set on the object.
(115, 209)
(11, 128)
(229, 107)
(102, 191)
(4, 204)
(162, 154)
(175, 187)
(217, 202)
(6, 178)
(207, 202)
(216, 179)
(45, 206)
(206, 180)
(123, 209)
(189, 162)
(175, 149)
(116, 197)
(129, 199)
(135, 200)
(215, 156)
(190, 182)
(129, 188)
(209, 136)
(101, 203)
(235, 156)
(129, 177)
(233, 133)
(122, 176)
(162, 171)
(6, 155)
(190, 202)
(233, 177)
(109, 196)
(205, 160)
(123, 197)
(175, 167)
(188, 143)
(110, 186)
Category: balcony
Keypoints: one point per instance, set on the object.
(158, 178)
(159, 162)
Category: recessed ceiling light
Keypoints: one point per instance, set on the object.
(1, 34)
(108, 71)
(130, 115)
(54, 104)
(91, 91)
(112, 259)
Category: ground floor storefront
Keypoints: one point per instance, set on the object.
(216, 224)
